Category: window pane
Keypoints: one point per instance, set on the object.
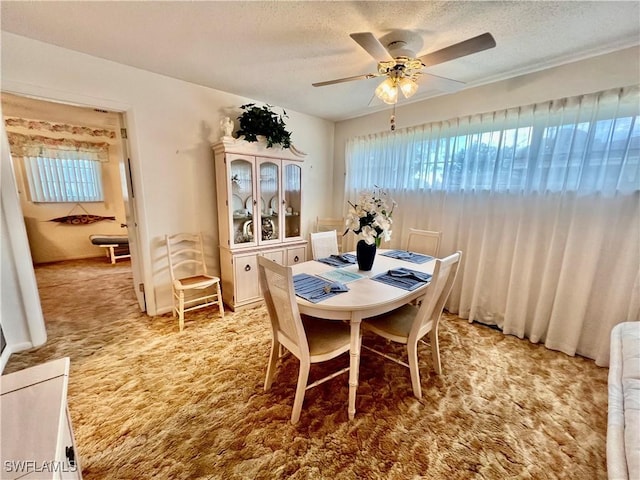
(64, 179)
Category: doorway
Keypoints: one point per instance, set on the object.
(50, 241)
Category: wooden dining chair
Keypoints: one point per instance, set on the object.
(424, 241)
(328, 224)
(324, 244)
(409, 324)
(188, 272)
(309, 339)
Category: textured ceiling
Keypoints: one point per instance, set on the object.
(274, 51)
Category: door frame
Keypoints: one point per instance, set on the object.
(142, 281)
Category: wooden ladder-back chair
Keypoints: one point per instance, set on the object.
(424, 241)
(409, 323)
(309, 339)
(189, 273)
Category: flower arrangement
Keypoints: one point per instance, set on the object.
(370, 218)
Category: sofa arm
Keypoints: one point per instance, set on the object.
(616, 461)
(623, 427)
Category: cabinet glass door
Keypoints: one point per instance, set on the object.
(241, 203)
(292, 192)
(269, 189)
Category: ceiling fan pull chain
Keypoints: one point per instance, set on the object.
(392, 120)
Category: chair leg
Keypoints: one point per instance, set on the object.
(220, 300)
(412, 353)
(303, 377)
(271, 366)
(173, 302)
(435, 351)
(181, 310)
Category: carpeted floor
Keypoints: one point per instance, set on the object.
(147, 402)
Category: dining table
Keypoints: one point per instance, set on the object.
(366, 297)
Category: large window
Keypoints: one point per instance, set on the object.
(72, 178)
(590, 144)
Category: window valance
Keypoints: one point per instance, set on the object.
(43, 126)
(37, 138)
(62, 148)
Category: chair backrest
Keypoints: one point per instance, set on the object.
(324, 244)
(444, 274)
(424, 241)
(186, 255)
(328, 224)
(276, 282)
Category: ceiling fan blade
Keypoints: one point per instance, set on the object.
(346, 79)
(371, 44)
(375, 101)
(457, 50)
(442, 84)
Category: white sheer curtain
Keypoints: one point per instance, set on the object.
(544, 202)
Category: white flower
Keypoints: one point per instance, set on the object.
(368, 234)
(370, 218)
(353, 219)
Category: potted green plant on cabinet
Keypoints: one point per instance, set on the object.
(255, 121)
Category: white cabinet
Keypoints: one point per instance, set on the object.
(259, 195)
(37, 438)
(240, 282)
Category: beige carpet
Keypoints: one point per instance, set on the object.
(147, 402)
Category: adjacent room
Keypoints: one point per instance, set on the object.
(301, 239)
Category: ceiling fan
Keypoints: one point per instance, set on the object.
(402, 68)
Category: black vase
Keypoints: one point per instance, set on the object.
(365, 255)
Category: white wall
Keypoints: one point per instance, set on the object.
(171, 125)
(617, 69)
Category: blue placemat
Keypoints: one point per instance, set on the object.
(316, 289)
(408, 256)
(343, 260)
(404, 278)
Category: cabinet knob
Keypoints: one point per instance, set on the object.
(247, 268)
(296, 259)
(71, 456)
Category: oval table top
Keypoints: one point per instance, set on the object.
(365, 296)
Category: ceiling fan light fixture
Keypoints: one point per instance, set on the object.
(408, 87)
(387, 91)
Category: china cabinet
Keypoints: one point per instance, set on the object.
(259, 196)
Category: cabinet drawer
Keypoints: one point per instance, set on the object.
(275, 255)
(296, 255)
